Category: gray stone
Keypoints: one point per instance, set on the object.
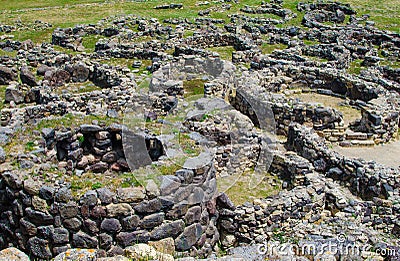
(86, 128)
(27, 227)
(130, 222)
(72, 224)
(64, 194)
(12, 180)
(14, 94)
(38, 217)
(130, 195)
(80, 72)
(25, 164)
(46, 192)
(193, 215)
(2, 155)
(91, 226)
(83, 240)
(105, 195)
(150, 206)
(39, 248)
(45, 232)
(60, 236)
(7, 75)
(171, 229)
(224, 202)
(27, 76)
(189, 237)
(152, 221)
(152, 189)
(128, 238)
(89, 198)
(169, 184)
(105, 241)
(111, 225)
(99, 167)
(109, 157)
(121, 209)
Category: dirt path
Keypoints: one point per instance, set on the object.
(388, 154)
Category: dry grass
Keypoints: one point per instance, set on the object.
(240, 192)
(349, 114)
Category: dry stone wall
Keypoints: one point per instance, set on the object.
(44, 221)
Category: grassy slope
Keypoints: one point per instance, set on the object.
(69, 13)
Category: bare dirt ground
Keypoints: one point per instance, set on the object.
(388, 154)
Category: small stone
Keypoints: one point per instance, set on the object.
(189, 237)
(150, 206)
(105, 195)
(171, 229)
(46, 192)
(99, 167)
(131, 222)
(83, 240)
(27, 76)
(111, 225)
(72, 224)
(166, 245)
(130, 195)
(2, 155)
(152, 221)
(86, 128)
(152, 189)
(89, 198)
(60, 236)
(121, 209)
(32, 187)
(193, 215)
(129, 238)
(39, 248)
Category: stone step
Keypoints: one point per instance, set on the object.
(363, 143)
(356, 136)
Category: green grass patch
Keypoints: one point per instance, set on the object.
(240, 192)
(310, 42)
(193, 87)
(225, 52)
(38, 36)
(267, 48)
(355, 67)
(72, 121)
(12, 54)
(390, 63)
(2, 95)
(89, 42)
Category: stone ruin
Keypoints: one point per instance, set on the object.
(323, 194)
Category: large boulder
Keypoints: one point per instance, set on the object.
(27, 76)
(171, 229)
(57, 78)
(189, 237)
(15, 94)
(79, 72)
(7, 75)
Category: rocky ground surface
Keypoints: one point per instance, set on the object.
(182, 139)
